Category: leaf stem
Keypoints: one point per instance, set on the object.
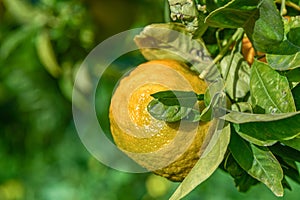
(235, 37)
(289, 4)
(283, 10)
(218, 38)
(167, 12)
(229, 65)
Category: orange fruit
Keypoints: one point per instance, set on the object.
(249, 52)
(167, 149)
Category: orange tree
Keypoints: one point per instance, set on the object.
(257, 102)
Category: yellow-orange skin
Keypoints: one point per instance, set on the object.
(249, 52)
(168, 149)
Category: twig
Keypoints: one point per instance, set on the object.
(289, 4)
(239, 32)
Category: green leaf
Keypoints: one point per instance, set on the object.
(163, 112)
(193, 116)
(237, 73)
(290, 169)
(294, 36)
(286, 184)
(259, 162)
(46, 54)
(207, 113)
(172, 106)
(267, 133)
(241, 151)
(284, 62)
(285, 152)
(215, 99)
(241, 107)
(260, 20)
(296, 94)
(290, 44)
(22, 10)
(283, 48)
(269, 90)
(268, 29)
(293, 75)
(15, 39)
(234, 14)
(294, 143)
(173, 41)
(207, 97)
(267, 169)
(242, 117)
(209, 161)
(253, 139)
(213, 5)
(243, 181)
(173, 97)
(213, 109)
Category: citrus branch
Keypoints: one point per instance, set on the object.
(235, 37)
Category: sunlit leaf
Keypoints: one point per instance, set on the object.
(259, 162)
(284, 62)
(214, 98)
(260, 19)
(173, 97)
(167, 113)
(242, 117)
(172, 41)
(267, 133)
(172, 106)
(267, 169)
(241, 107)
(212, 110)
(47, 54)
(234, 14)
(269, 90)
(208, 162)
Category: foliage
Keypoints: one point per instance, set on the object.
(172, 106)
(43, 42)
(263, 109)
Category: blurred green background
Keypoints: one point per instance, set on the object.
(42, 44)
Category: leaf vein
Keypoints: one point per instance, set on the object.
(265, 90)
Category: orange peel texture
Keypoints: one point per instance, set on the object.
(168, 149)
